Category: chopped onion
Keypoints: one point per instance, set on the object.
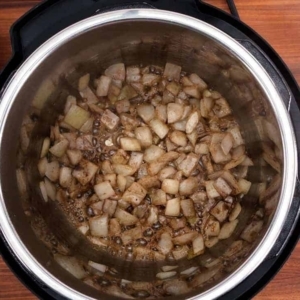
(85, 172)
(252, 230)
(99, 267)
(165, 275)
(43, 191)
(84, 82)
(153, 153)
(173, 208)
(60, 148)
(110, 120)
(220, 211)
(172, 71)
(99, 225)
(52, 171)
(76, 116)
(235, 212)
(178, 138)
(134, 194)
(116, 71)
(170, 186)
(185, 238)
(174, 112)
(195, 79)
(125, 218)
(130, 144)
(103, 86)
(144, 136)
(45, 147)
(104, 190)
(71, 264)
(160, 128)
(198, 245)
(165, 244)
(187, 207)
(227, 229)
(89, 96)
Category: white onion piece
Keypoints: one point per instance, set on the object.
(165, 275)
(222, 187)
(43, 191)
(188, 186)
(125, 218)
(188, 165)
(173, 208)
(211, 242)
(135, 194)
(181, 252)
(146, 112)
(235, 212)
(192, 122)
(212, 228)
(158, 197)
(244, 186)
(220, 211)
(252, 230)
(178, 138)
(123, 170)
(127, 92)
(185, 238)
(149, 182)
(210, 189)
(65, 177)
(172, 71)
(144, 136)
(74, 156)
(187, 207)
(170, 186)
(227, 143)
(155, 167)
(103, 86)
(174, 112)
(52, 171)
(180, 125)
(60, 148)
(198, 245)
(110, 120)
(99, 225)
(160, 128)
(42, 166)
(71, 100)
(165, 244)
(131, 235)
(109, 207)
(153, 153)
(237, 137)
(161, 112)
(89, 96)
(83, 82)
(45, 147)
(116, 71)
(71, 264)
(85, 172)
(104, 190)
(200, 83)
(192, 91)
(99, 267)
(84, 228)
(76, 116)
(227, 229)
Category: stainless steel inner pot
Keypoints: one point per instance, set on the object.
(148, 37)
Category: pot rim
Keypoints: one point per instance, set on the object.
(290, 167)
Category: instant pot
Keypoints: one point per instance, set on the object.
(59, 34)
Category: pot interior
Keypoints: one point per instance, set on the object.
(135, 42)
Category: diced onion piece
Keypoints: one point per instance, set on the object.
(89, 95)
(173, 88)
(103, 86)
(252, 230)
(227, 143)
(188, 165)
(76, 116)
(123, 106)
(237, 137)
(235, 212)
(201, 149)
(160, 128)
(167, 172)
(135, 194)
(130, 144)
(210, 190)
(45, 147)
(111, 178)
(109, 207)
(192, 122)
(212, 228)
(181, 252)
(244, 186)
(161, 112)
(60, 148)
(84, 82)
(227, 230)
(125, 218)
(178, 138)
(270, 157)
(184, 238)
(99, 267)
(121, 182)
(205, 276)
(42, 166)
(195, 79)
(165, 244)
(99, 225)
(172, 71)
(211, 242)
(127, 92)
(247, 162)
(85, 172)
(188, 186)
(71, 100)
(74, 156)
(192, 91)
(43, 191)
(170, 186)
(21, 181)
(206, 105)
(168, 157)
(87, 126)
(133, 74)
(144, 136)
(165, 275)
(146, 112)
(152, 218)
(153, 153)
(110, 120)
(238, 152)
(198, 244)
(220, 211)
(173, 208)
(168, 268)
(116, 71)
(180, 125)
(114, 227)
(84, 228)
(123, 170)
(148, 182)
(222, 187)
(174, 112)
(193, 137)
(104, 190)
(52, 171)
(187, 207)
(158, 197)
(131, 235)
(71, 264)
(136, 160)
(234, 163)
(65, 177)
(150, 79)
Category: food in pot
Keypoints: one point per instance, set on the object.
(154, 164)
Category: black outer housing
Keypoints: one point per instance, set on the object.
(51, 16)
